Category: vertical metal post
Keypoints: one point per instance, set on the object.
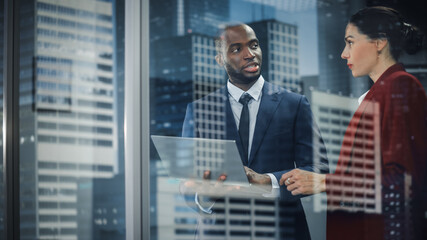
(145, 118)
(11, 118)
(137, 156)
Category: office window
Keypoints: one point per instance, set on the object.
(74, 120)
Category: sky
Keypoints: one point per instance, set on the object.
(305, 19)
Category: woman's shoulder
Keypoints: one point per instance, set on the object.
(402, 76)
(401, 80)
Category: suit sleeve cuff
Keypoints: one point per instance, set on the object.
(206, 201)
(275, 188)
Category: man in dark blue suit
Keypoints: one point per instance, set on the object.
(273, 127)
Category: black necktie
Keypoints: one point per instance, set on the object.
(244, 123)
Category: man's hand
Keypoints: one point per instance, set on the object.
(259, 179)
(303, 182)
(205, 187)
(207, 176)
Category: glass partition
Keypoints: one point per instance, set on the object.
(71, 119)
(301, 43)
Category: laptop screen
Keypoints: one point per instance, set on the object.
(189, 158)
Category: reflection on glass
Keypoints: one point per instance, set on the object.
(2, 195)
(301, 43)
(183, 69)
(71, 152)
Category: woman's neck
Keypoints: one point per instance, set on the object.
(381, 67)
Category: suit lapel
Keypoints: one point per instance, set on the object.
(269, 102)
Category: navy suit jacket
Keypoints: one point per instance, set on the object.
(283, 137)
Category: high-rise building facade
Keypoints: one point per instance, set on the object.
(333, 114)
(279, 44)
(68, 120)
(182, 59)
(238, 215)
(289, 5)
(334, 76)
(171, 18)
(185, 69)
(362, 187)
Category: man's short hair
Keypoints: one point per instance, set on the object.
(219, 39)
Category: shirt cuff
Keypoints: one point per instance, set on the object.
(275, 188)
(207, 210)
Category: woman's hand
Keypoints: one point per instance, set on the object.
(303, 182)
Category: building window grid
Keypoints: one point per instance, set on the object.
(58, 10)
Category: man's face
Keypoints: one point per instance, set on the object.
(241, 54)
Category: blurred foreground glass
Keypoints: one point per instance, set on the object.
(71, 119)
(183, 69)
(301, 42)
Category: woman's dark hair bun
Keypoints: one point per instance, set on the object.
(383, 22)
(412, 38)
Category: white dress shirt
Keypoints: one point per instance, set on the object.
(362, 97)
(255, 91)
(234, 94)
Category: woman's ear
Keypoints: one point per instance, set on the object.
(219, 59)
(381, 43)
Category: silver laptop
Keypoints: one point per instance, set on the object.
(188, 158)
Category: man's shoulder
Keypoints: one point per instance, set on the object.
(213, 97)
(273, 89)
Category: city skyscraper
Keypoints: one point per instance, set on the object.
(289, 5)
(182, 68)
(182, 57)
(109, 202)
(237, 216)
(185, 69)
(333, 114)
(334, 76)
(279, 44)
(68, 115)
(180, 17)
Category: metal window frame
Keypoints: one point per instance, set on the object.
(137, 127)
(11, 119)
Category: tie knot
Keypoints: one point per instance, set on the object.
(245, 98)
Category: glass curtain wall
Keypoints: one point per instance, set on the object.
(301, 44)
(71, 119)
(183, 69)
(71, 116)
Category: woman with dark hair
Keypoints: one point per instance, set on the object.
(379, 188)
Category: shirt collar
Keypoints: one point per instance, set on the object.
(254, 91)
(362, 97)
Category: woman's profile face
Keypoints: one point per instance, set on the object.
(360, 52)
